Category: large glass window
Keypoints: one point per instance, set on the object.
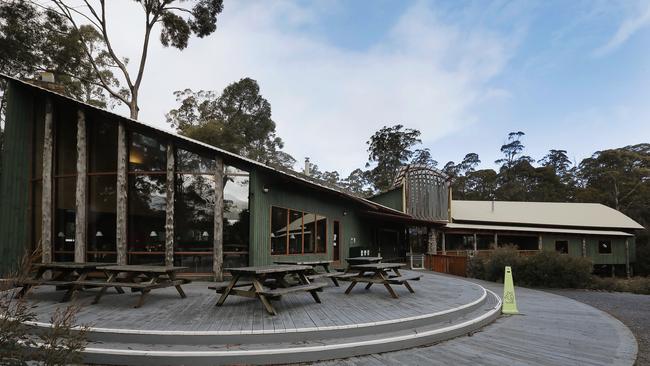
(65, 173)
(147, 200)
(194, 212)
(562, 246)
(64, 219)
(236, 218)
(102, 187)
(297, 232)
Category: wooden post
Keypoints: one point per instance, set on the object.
(584, 247)
(81, 223)
(539, 242)
(122, 193)
(496, 240)
(169, 212)
(444, 244)
(46, 199)
(432, 245)
(475, 243)
(218, 220)
(627, 258)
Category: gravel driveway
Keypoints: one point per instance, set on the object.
(631, 309)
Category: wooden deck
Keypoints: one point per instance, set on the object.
(165, 311)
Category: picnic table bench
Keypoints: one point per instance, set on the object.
(313, 274)
(64, 275)
(256, 276)
(353, 261)
(379, 275)
(138, 277)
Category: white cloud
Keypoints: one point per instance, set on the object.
(425, 73)
(638, 19)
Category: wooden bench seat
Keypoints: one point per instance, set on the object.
(219, 287)
(136, 285)
(43, 282)
(283, 291)
(343, 276)
(402, 279)
(323, 275)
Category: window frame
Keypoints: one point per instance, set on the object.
(563, 241)
(302, 229)
(611, 249)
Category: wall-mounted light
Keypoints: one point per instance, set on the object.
(205, 234)
(60, 234)
(265, 190)
(99, 234)
(153, 234)
(345, 212)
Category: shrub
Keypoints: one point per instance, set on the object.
(637, 285)
(551, 269)
(501, 257)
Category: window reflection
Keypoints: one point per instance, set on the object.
(146, 224)
(296, 232)
(102, 204)
(102, 146)
(236, 218)
(64, 219)
(147, 154)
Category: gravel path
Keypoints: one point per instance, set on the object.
(631, 309)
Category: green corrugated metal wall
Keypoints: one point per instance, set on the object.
(575, 247)
(15, 180)
(392, 199)
(355, 231)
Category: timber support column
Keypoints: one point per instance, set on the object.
(584, 247)
(475, 243)
(444, 244)
(432, 245)
(122, 194)
(81, 196)
(169, 210)
(496, 240)
(627, 258)
(46, 198)
(539, 242)
(218, 219)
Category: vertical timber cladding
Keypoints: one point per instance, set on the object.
(15, 178)
(427, 195)
(355, 230)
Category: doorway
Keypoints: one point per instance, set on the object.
(336, 247)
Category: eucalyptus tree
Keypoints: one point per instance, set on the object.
(390, 148)
(178, 21)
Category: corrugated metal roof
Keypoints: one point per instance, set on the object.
(290, 174)
(535, 229)
(588, 215)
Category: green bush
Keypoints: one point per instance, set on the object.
(501, 257)
(554, 270)
(544, 269)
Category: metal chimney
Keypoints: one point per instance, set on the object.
(307, 167)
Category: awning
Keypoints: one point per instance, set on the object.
(403, 218)
(454, 226)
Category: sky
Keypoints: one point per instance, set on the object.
(572, 75)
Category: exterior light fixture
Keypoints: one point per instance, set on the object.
(60, 234)
(345, 212)
(205, 234)
(99, 234)
(265, 190)
(153, 234)
(292, 236)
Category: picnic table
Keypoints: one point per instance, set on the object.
(277, 274)
(64, 274)
(363, 260)
(372, 273)
(313, 274)
(137, 277)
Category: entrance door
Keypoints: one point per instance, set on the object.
(336, 244)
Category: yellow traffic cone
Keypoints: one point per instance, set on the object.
(509, 301)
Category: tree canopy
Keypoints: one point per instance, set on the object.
(238, 120)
